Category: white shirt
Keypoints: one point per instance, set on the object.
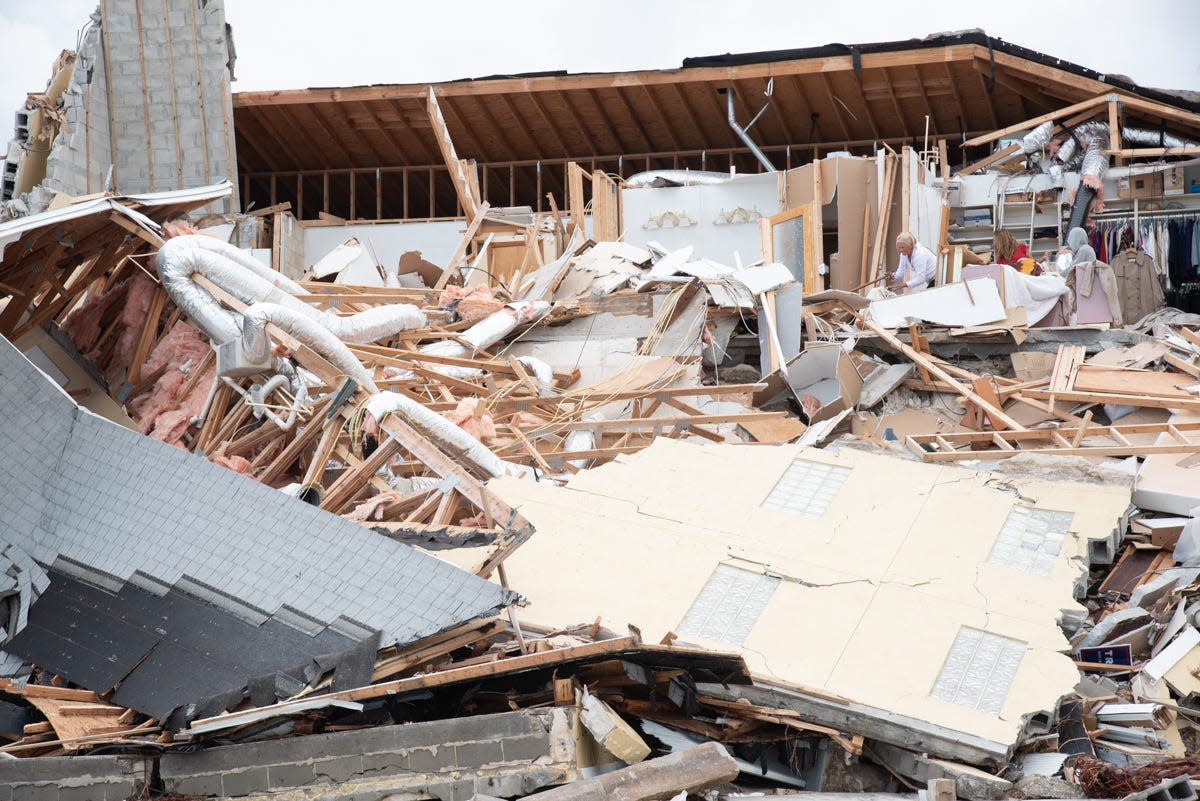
(916, 271)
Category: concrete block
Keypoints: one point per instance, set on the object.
(431, 760)
(391, 763)
(35, 792)
(526, 748)
(290, 775)
(478, 754)
(1178, 788)
(337, 769)
(244, 782)
(201, 784)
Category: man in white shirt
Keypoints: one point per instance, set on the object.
(917, 265)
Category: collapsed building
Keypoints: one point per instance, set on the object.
(530, 436)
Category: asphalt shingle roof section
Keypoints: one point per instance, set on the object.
(79, 487)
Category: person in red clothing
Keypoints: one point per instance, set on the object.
(1006, 249)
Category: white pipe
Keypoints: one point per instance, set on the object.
(441, 430)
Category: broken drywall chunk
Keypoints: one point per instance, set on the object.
(617, 736)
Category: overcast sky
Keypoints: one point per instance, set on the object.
(290, 44)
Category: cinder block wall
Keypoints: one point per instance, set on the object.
(89, 778)
(507, 755)
(150, 99)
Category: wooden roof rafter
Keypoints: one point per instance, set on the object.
(281, 142)
(335, 139)
(672, 134)
(535, 147)
(582, 126)
(688, 109)
(549, 122)
(384, 130)
(836, 103)
(608, 123)
(896, 105)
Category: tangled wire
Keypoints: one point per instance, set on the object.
(1101, 779)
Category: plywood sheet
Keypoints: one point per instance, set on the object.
(943, 305)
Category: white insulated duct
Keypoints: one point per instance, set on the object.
(182, 256)
(256, 344)
(543, 372)
(241, 257)
(443, 432)
(484, 334)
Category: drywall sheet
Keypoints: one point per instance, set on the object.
(890, 564)
(944, 305)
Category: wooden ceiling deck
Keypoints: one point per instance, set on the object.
(626, 122)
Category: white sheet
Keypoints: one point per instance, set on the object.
(943, 305)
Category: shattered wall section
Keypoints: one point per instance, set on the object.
(149, 107)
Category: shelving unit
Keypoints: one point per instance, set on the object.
(970, 235)
(1037, 222)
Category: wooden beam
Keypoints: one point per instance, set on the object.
(1036, 121)
(997, 415)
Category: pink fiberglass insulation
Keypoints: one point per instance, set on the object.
(237, 464)
(83, 325)
(374, 508)
(480, 427)
(471, 303)
(170, 426)
(133, 318)
(183, 344)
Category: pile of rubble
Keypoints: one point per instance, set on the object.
(241, 615)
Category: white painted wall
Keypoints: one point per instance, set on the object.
(710, 235)
(435, 240)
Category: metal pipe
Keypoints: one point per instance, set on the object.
(745, 137)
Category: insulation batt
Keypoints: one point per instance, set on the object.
(183, 344)
(133, 318)
(472, 304)
(170, 426)
(83, 325)
(464, 416)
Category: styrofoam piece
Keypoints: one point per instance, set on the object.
(943, 305)
(1157, 667)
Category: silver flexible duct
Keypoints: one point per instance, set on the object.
(483, 334)
(239, 256)
(680, 177)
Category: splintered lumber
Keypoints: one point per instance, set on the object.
(458, 174)
(995, 414)
(1064, 441)
(688, 771)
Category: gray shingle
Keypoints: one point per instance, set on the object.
(81, 487)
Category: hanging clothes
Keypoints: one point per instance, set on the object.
(1138, 286)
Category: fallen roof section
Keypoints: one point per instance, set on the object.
(870, 554)
(124, 508)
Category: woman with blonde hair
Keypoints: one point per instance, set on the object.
(1006, 249)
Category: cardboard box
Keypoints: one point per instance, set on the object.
(824, 374)
(1140, 186)
(976, 217)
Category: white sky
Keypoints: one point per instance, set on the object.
(289, 44)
